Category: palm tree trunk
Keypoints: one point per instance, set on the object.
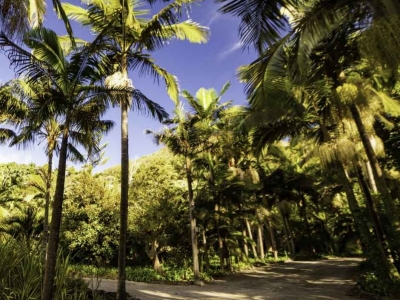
(260, 242)
(291, 236)
(371, 178)
(123, 228)
(303, 210)
(253, 248)
(50, 265)
(371, 207)
(193, 233)
(272, 236)
(245, 246)
(47, 204)
(390, 216)
(206, 257)
(219, 237)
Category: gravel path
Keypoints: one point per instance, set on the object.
(325, 279)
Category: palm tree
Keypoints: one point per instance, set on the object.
(130, 38)
(77, 95)
(184, 140)
(17, 17)
(49, 131)
(12, 112)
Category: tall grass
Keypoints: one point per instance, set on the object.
(21, 274)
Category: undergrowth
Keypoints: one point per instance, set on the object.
(169, 273)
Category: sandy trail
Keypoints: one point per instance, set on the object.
(325, 279)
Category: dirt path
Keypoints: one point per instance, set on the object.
(326, 279)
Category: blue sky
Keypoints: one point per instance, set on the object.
(207, 65)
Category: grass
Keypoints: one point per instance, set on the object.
(170, 273)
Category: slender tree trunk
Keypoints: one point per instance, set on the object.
(371, 207)
(272, 236)
(124, 204)
(390, 217)
(47, 203)
(289, 227)
(260, 243)
(371, 178)
(253, 247)
(245, 246)
(193, 233)
(123, 227)
(303, 210)
(52, 247)
(206, 258)
(289, 238)
(219, 237)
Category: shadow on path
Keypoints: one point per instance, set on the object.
(326, 279)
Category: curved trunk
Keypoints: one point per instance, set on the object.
(47, 204)
(390, 216)
(193, 233)
(52, 247)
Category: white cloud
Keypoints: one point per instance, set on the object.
(236, 46)
(215, 16)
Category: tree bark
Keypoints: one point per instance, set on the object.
(52, 247)
(47, 204)
(245, 246)
(124, 203)
(193, 233)
(371, 178)
(253, 247)
(260, 243)
(152, 253)
(123, 227)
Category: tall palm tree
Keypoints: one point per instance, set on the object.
(131, 37)
(182, 139)
(77, 96)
